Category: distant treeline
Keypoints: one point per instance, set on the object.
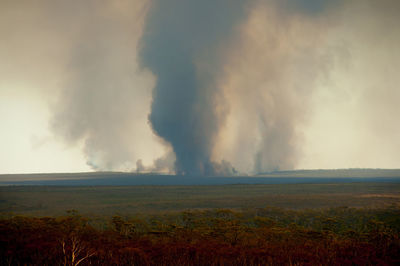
(277, 177)
(335, 173)
(268, 236)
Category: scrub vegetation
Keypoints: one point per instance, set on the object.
(268, 236)
(133, 200)
(280, 224)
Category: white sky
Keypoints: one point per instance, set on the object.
(26, 144)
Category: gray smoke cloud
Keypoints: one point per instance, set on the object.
(180, 36)
(102, 98)
(281, 98)
(181, 45)
(209, 87)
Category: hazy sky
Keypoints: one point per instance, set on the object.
(199, 87)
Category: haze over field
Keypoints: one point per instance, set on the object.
(212, 87)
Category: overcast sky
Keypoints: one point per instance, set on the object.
(266, 84)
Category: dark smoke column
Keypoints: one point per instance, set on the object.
(178, 34)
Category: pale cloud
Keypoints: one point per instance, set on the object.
(272, 70)
(355, 119)
(76, 62)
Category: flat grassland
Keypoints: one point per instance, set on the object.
(136, 200)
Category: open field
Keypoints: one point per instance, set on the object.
(132, 200)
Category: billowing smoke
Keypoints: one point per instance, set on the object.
(206, 87)
(193, 48)
(275, 64)
(182, 45)
(105, 98)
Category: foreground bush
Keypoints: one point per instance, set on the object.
(270, 236)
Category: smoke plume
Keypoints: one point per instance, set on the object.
(275, 64)
(104, 98)
(195, 48)
(181, 45)
(203, 87)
